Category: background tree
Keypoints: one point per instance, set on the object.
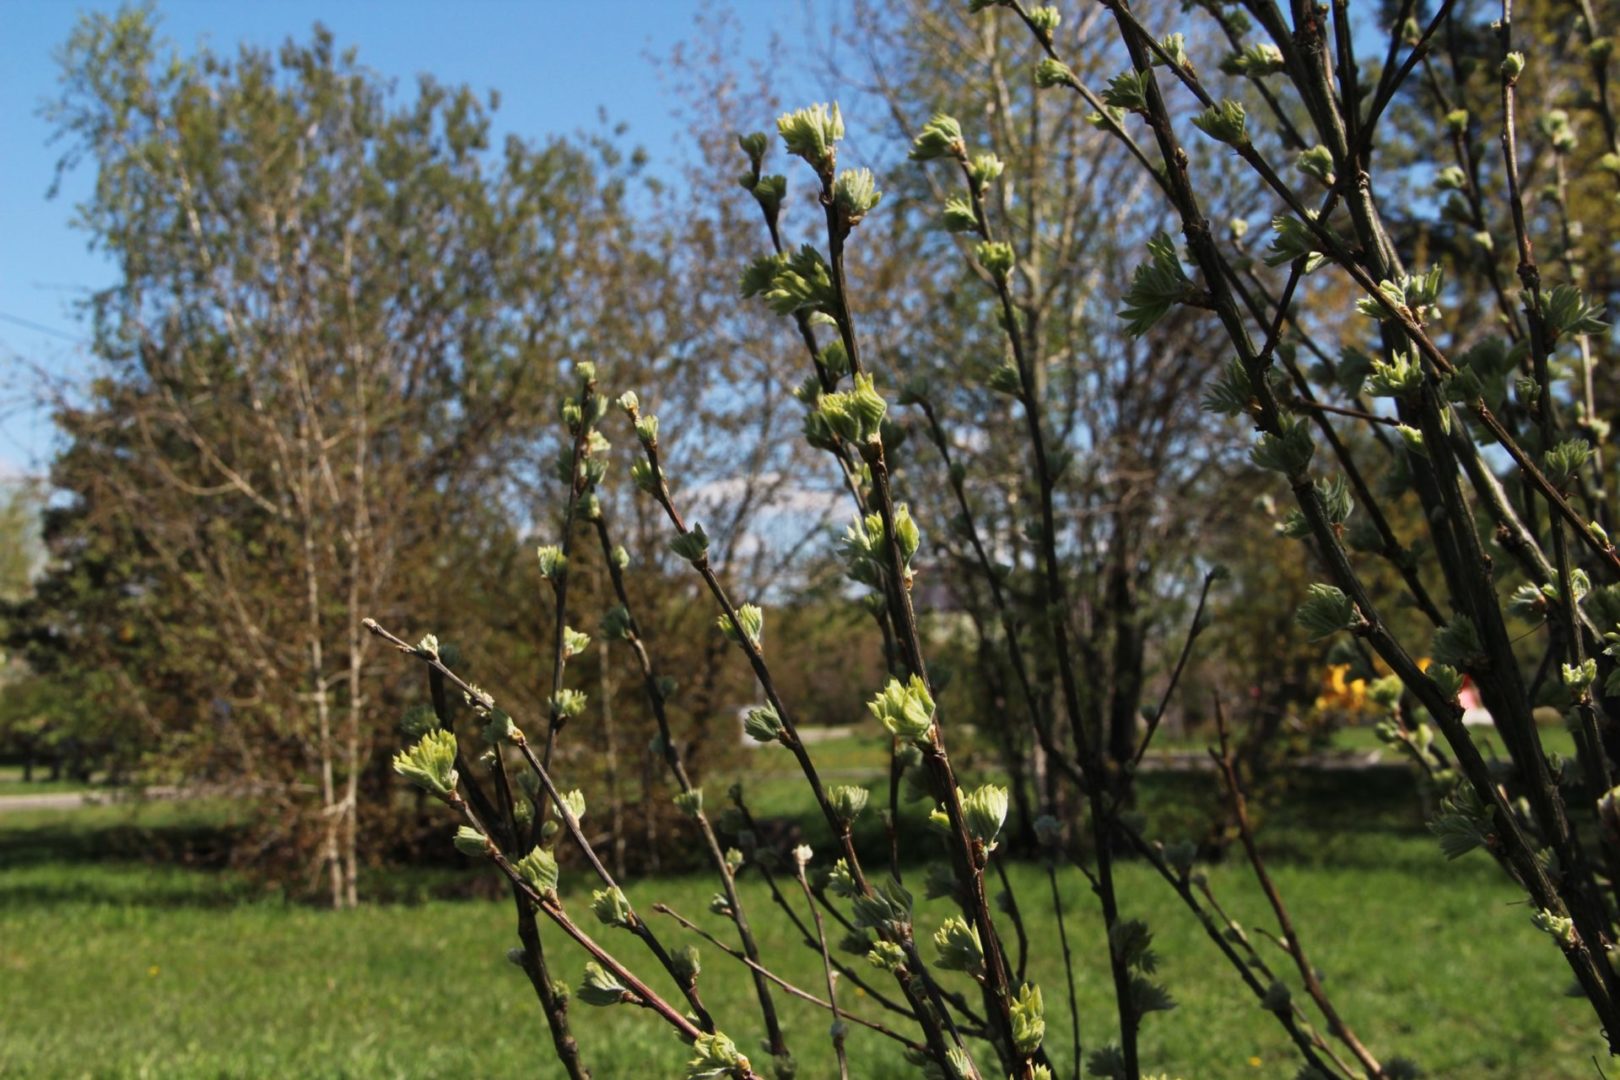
(329, 303)
(1140, 484)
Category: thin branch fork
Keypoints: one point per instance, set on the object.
(552, 906)
(677, 768)
(803, 995)
(1293, 1021)
(801, 856)
(661, 493)
(1583, 958)
(637, 925)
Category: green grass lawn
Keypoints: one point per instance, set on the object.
(1362, 738)
(113, 965)
(1555, 739)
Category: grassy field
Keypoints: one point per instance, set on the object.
(1363, 738)
(114, 965)
(1555, 739)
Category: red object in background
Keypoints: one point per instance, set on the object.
(1468, 697)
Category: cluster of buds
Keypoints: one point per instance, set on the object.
(905, 709)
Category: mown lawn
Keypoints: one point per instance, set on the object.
(111, 965)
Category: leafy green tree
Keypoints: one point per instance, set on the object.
(21, 552)
(336, 315)
(25, 721)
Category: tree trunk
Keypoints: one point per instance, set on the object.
(1010, 724)
(323, 720)
(351, 801)
(610, 755)
(359, 543)
(1129, 648)
(649, 812)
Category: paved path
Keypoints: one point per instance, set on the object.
(72, 800)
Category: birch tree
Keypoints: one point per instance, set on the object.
(331, 300)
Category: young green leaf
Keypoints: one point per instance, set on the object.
(957, 946)
(1326, 611)
(941, 137)
(431, 763)
(1157, 286)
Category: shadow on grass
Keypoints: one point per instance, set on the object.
(197, 840)
(138, 889)
(131, 854)
(1354, 820)
(182, 854)
(151, 854)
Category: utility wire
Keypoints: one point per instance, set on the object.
(29, 324)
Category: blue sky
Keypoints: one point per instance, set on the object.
(555, 63)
